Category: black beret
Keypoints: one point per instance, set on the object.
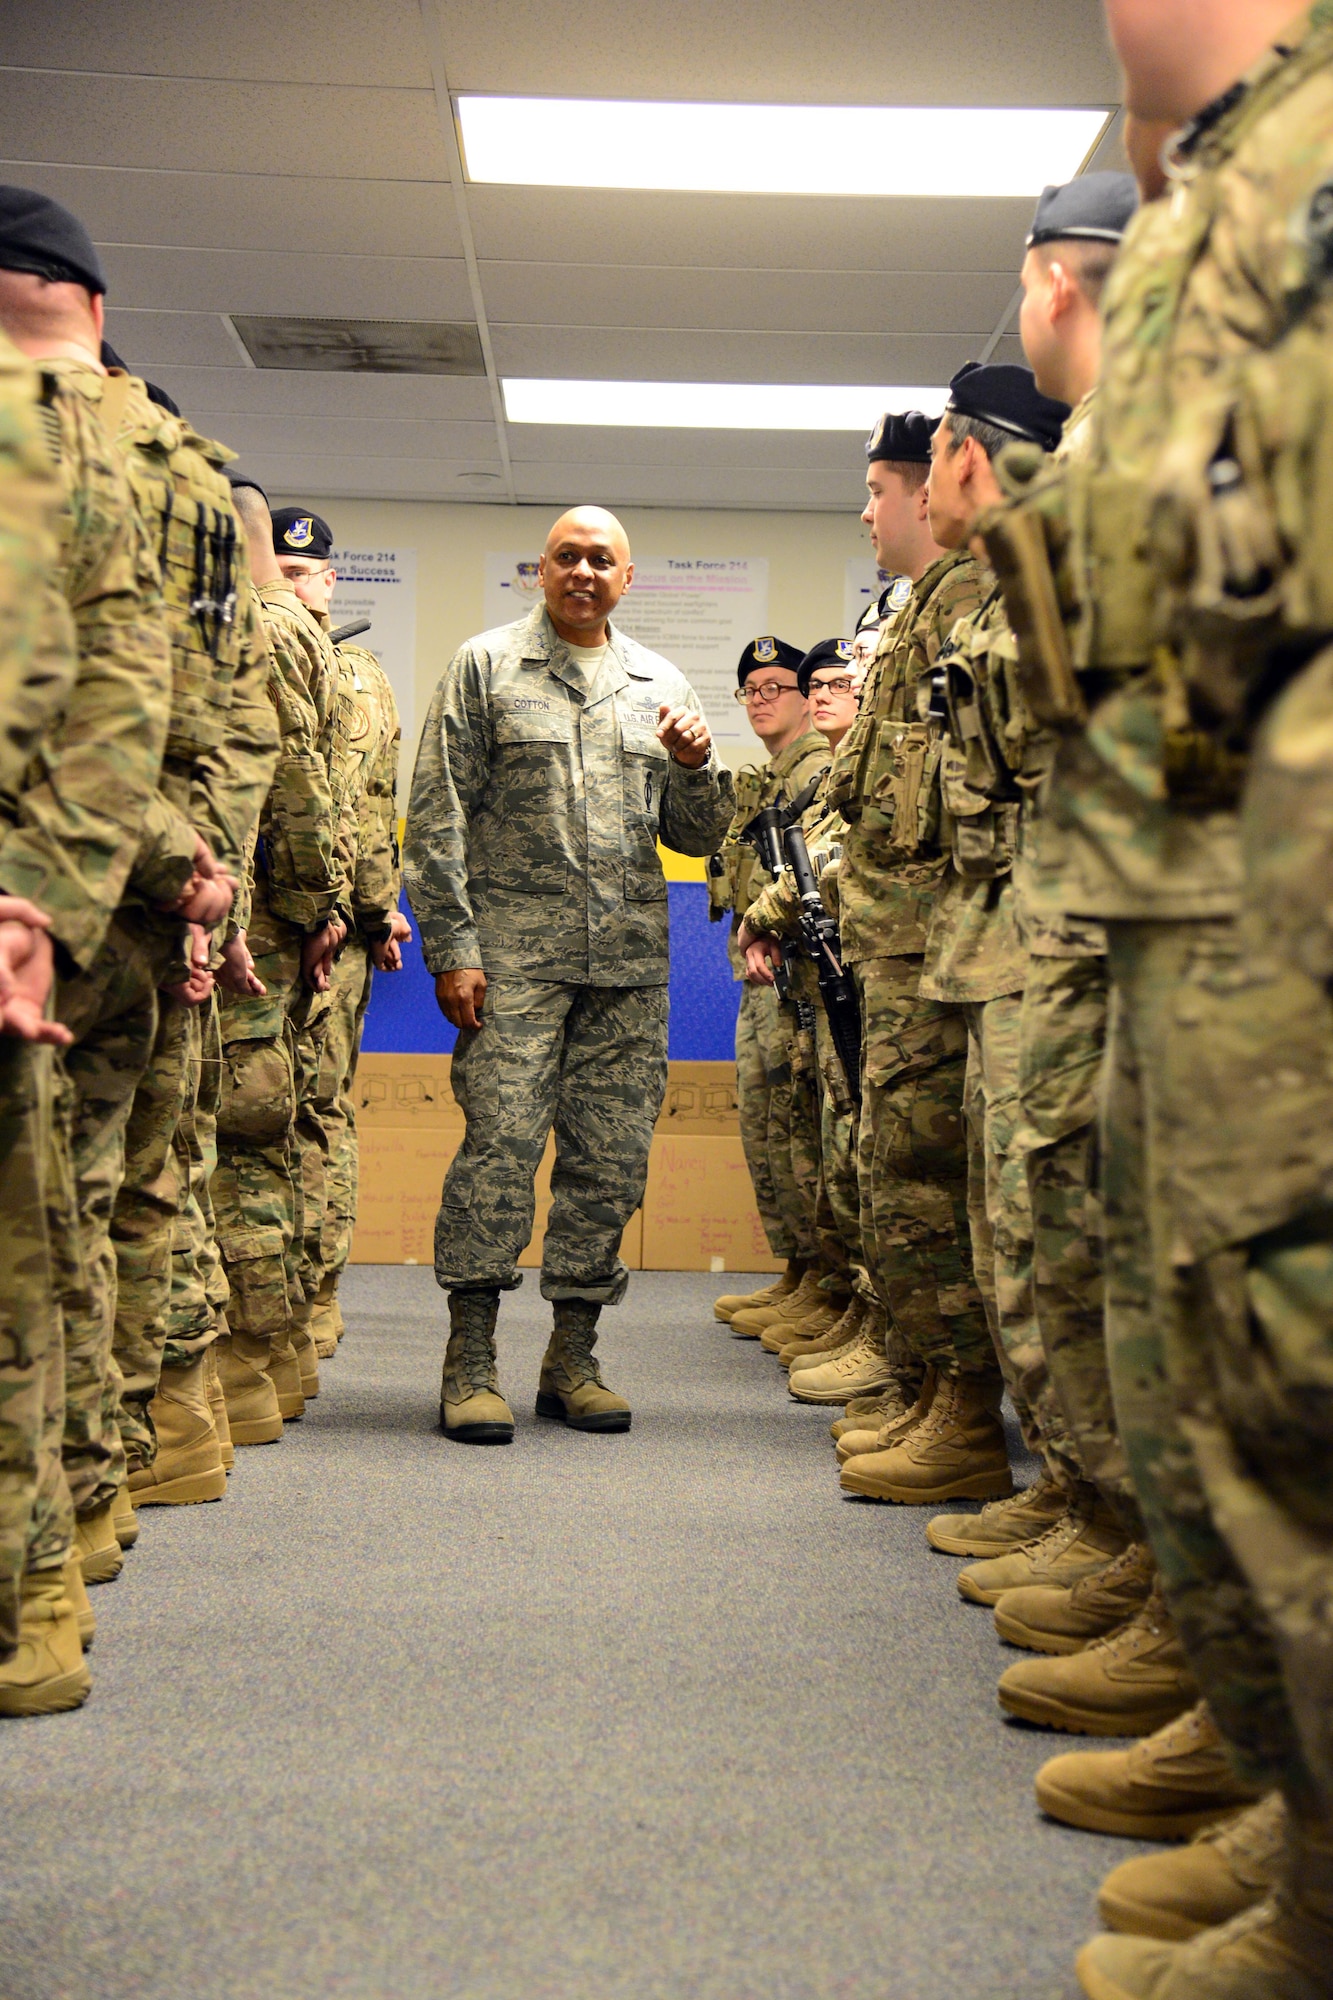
(1096, 207)
(998, 393)
(904, 437)
(298, 532)
(110, 358)
(38, 235)
(828, 653)
(767, 652)
(236, 479)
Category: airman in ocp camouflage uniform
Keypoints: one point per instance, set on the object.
(76, 839)
(36, 669)
(555, 755)
(220, 756)
(765, 1028)
(286, 925)
(373, 943)
(1217, 1118)
(912, 1150)
(846, 1358)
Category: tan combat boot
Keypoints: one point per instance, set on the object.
(1046, 1618)
(956, 1452)
(97, 1545)
(1170, 1786)
(1125, 1685)
(217, 1403)
(1001, 1525)
(326, 1318)
(750, 1321)
(899, 1405)
(831, 1313)
(303, 1347)
(47, 1674)
(859, 1369)
(472, 1410)
(283, 1369)
(76, 1590)
(1279, 1949)
(188, 1467)
(1084, 1540)
(869, 1413)
(571, 1388)
(124, 1519)
(770, 1295)
(253, 1412)
(1225, 1869)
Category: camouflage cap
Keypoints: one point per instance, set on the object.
(767, 652)
(903, 437)
(38, 235)
(1096, 208)
(298, 532)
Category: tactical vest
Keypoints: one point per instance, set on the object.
(186, 504)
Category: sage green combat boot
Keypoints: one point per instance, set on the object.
(1225, 1869)
(326, 1318)
(472, 1410)
(571, 1388)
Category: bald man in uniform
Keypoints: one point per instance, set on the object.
(557, 751)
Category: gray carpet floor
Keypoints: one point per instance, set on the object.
(625, 1718)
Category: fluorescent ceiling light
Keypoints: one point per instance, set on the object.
(711, 406)
(775, 148)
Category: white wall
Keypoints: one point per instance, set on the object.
(807, 556)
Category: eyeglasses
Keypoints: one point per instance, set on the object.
(843, 686)
(766, 691)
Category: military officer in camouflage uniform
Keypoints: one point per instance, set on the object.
(37, 666)
(1187, 610)
(221, 752)
(912, 1165)
(376, 927)
(276, 962)
(848, 1358)
(779, 715)
(555, 755)
(78, 838)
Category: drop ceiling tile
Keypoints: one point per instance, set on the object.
(266, 128)
(291, 476)
(784, 51)
(351, 437)
(311, 284)
(777, 301)
(747, 232)
(350, 42)
(171, 339)
(616, 485)
(701, 451)
(264, 392)
(635, 354)
(223, 211)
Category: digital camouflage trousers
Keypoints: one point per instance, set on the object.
(587, 1062)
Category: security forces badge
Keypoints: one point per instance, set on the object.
(301, 533)
(765, 652)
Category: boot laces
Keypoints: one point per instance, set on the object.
(574, 1353)
(477, 1357)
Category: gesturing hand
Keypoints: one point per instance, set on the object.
(684, 735)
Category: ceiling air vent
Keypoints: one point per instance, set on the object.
(361, 346)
